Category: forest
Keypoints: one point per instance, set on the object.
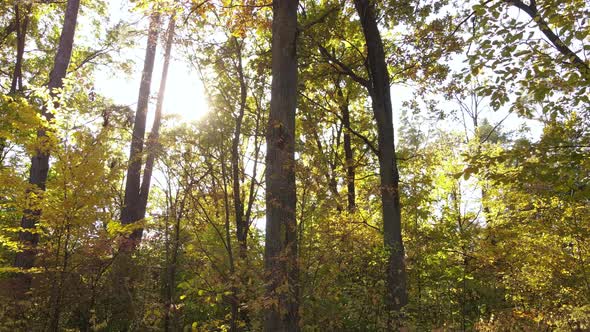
(294, 165)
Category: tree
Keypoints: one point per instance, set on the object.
(494, 216)
(123, 311)
(40, 161)
(153, 138)
(348, 149)
(133, 203)
(153, 145)
(379, 90)
(280, 255)
(21, 19)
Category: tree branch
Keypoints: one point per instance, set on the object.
(343, 69)
(354, 132)
(533, 12)
(320, 19)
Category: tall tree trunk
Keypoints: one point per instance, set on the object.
(171, 271)
(58, 286)
(349, 160)
(22, 14)
(40, 161)
(348, 152)
(382, 109)
(21, 22)
(241, 223)
(153, 138)
(280, 255)
(132, 203)
(122, 310)
(171, 263)
(233, 301)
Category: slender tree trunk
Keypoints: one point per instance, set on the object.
(382, 109)
(280, 256)
(20, 26)
(22, 14)
(171, 265)
(242, 221)
(40, 161)
(329, 174)
(349, 160)
(58, 287)
(152, 147)
(167, 298)
(153, 138)
(172, 273)
(132, 203)
(122, 309)
(241, 224)
(348, 152)
(254, 184)
(233, 301)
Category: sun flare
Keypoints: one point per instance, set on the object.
(185, 94)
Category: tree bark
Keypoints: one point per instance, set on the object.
(40, 161)
(132, 210)
(280, 256)
(382, 109)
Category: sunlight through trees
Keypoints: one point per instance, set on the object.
(294, 165)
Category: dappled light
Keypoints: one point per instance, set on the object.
(294, 165)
